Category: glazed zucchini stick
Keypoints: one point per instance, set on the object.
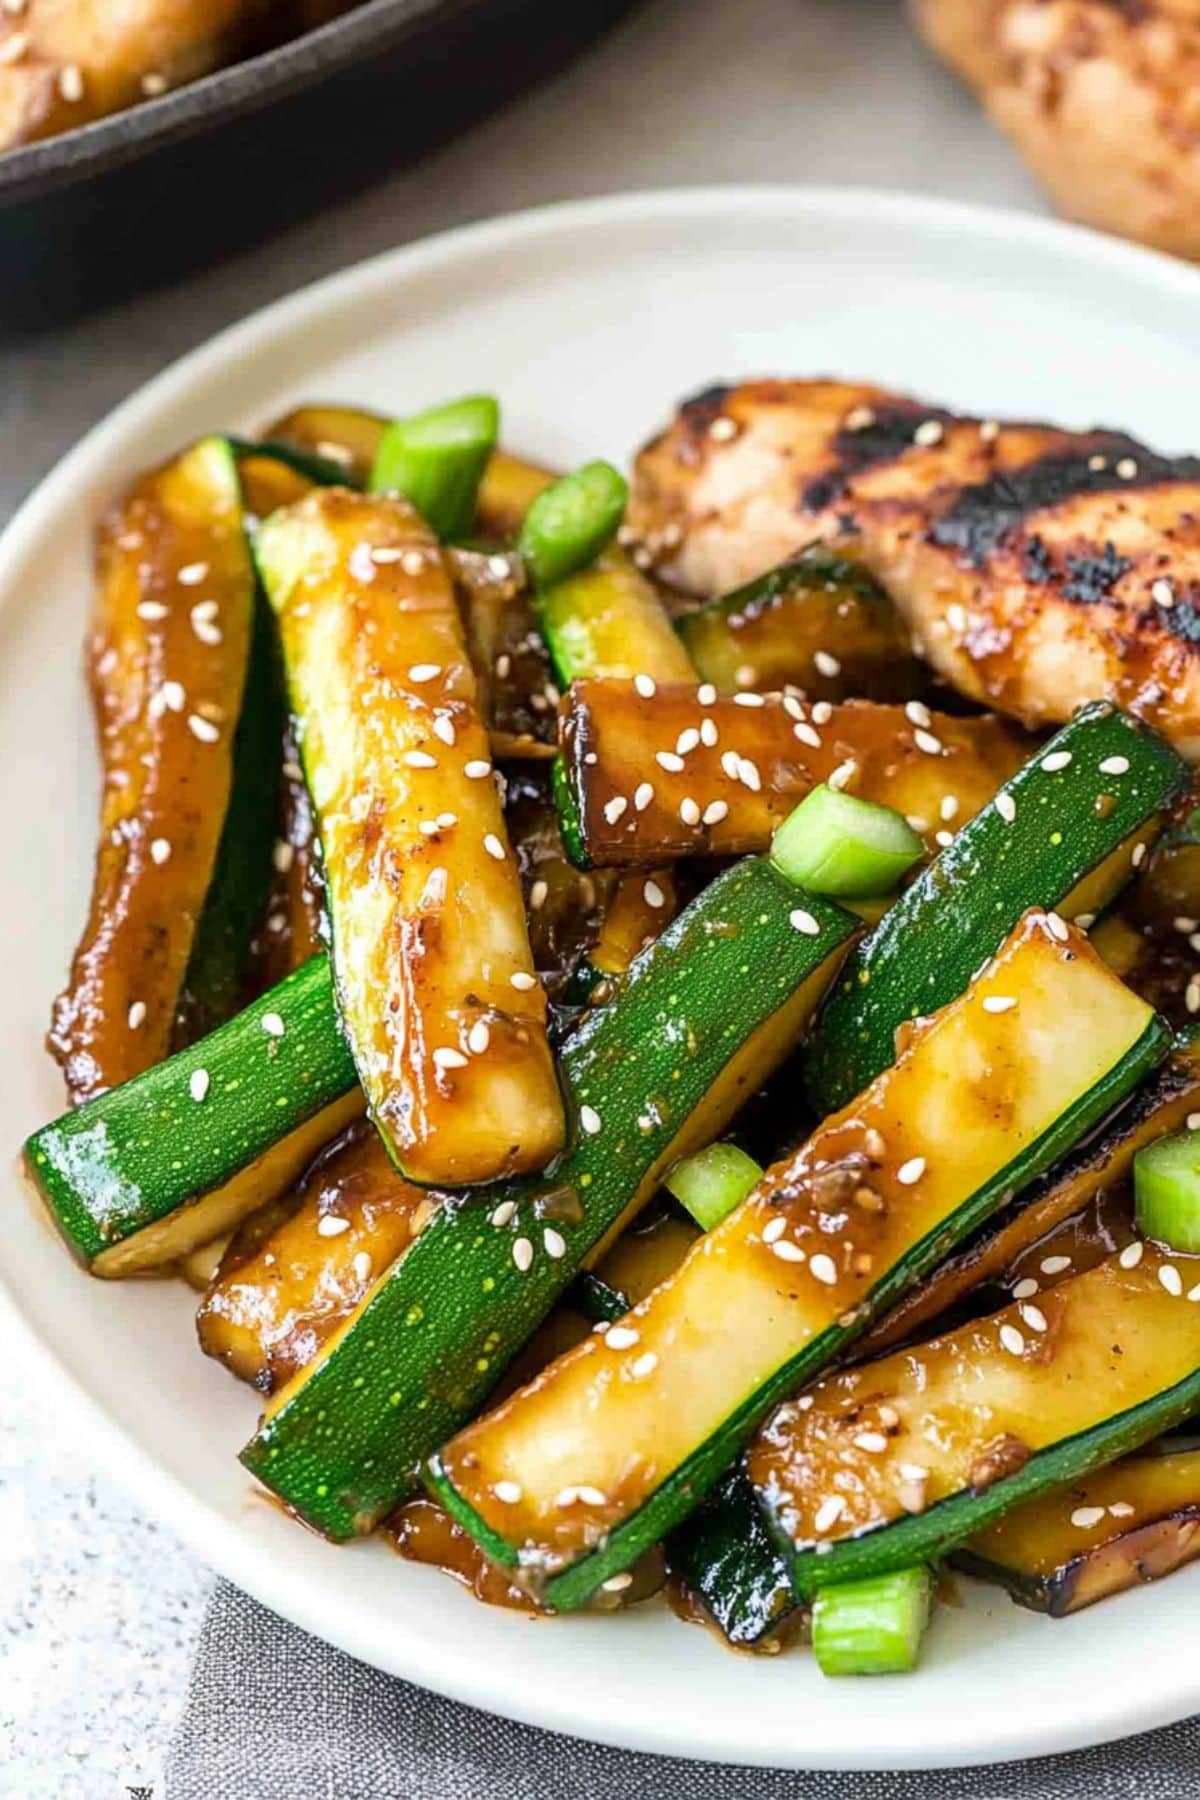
(1111, 1530)
(576, 1475)
(901, 1460)
(434, 976)
(1065, 832)
(651, 772)
(169, 652)
(703, 1016)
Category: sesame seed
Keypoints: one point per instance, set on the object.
(925, 740)
(420, 759)
(507, 1491)
(522, 1254)
(554, 1243)
(748, 774)
(689, 812)
(447, 821)
(931, 432)
(412, 562)
(1096, 463)
(1006, 806)
(160, 850)
(1057, 927)
(566, 1497)
(151, 610)
(330, 1225)
(1171, 1279)
(479, 1037)
(822, 712)
(652, 894)
(1194, 1292)
(803, 921)
(522, 980)
(999, 1003)
(198, 1084)
(943, 839)
(1087, 1516)
(591, 1496)
(1132, 1255)
(829, 1512)
(822, 1267)
(1056, 760)
(843, 774)
(1035, 1318)
(872, 1441)
(859, 418)
(643, 1366)
(914, 1471)
(1185, 925)
(956, 616)
(443, 728)
(476, 769)
(706, 693)
(646, 686)
(153, 83)
(1138, 857)
(70, 83)
(283, 855)
(825, 664)
(1193, 1121)
(1012, 1340)
(917, 713)
(622, 1337)
(786, 1251)
(615, 807)
(1054, 1265)
(1084, 921)
(13, 48)
(361, 1266)
(806, 735)
(773, 1229)
(1025, 1288)
(715, 811)
(589, 1118)
(1127, 468)
(1121, 1509)
(722, 429)
(709, 733)
(911, 1171)
(666, 759)
(493, 846)
(616, 1584)
(504, 1213)
(989, 431)
(749, 700)
(420, 672)
(643, 795)
(731, 763)
(1162, 592)
(203, 729)
(273, 1025)
(687, 740)
(136, 1015)
(445, 1057)
(745, 675)
(1115, 765)
(1191, 996)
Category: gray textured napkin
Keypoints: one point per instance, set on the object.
(272, 1714)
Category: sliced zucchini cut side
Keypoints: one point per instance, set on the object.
(1063, 832)
(902, 1459)
(434, 974)
(173, 1158)
(818, 622)
(607, 622)
(652, 773)
(703, 1015)
(342, 437)
(1114, 1529)
(571, 1479)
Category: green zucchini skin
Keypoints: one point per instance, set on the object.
(322, 471)
(926, 947)
(596, 1299)
(343, 1443)
(138, 1153)
(730, 1563)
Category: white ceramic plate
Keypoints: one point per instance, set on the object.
(589, 321)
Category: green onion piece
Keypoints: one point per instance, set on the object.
(714, 1181)
(1166, 1188)
(834, 844)
(569, 523)
(436, 461)
(874, 1626)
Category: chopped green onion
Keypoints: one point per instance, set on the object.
(714, 1181)
(570, 523)
(834, 844)
(874, 1626)
(436, 460)
(1166, 1187)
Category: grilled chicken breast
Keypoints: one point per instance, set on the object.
(1036, 568)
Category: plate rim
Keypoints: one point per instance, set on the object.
(220, 1541)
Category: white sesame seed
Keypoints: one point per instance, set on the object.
(989, 431)
(1056, 760)
(1057, 927)
(136, 1015)
(643, 795)
(822, 712)
(413, 562)
(859, 418)
(1127, 468)
(522, 980)
(1138, 857)
(745, 675)
(1035, 1318)
(479, 1037)
(361, 1265)
(913, 1471)
(283, 855)
(646, 686)
(929, 433)
(667, 759)
(956, 617)
(643, 1366)
(1054, 1265)
(1185, 925)
(330, 1225)
(925, 740)
(873, 1441)
(1191, 997)
(447, 821)
(566, 1497)
(622, 1337)
(731, 763)
(615, 807)
(943, 839)
(748, 774)
(1097, 462)
(1162, 593)
(273, 1025)
(1006, 806)
(199, 1082)
(722, 429)
(1194, 1292)
(476, 769)
(709, 733)
(151, 610)
(443, 728)
(706, 693)
(616, 1584)
(999, 1003)
(203, 729)
(1012, 1340)
(949, 806)
(508, 1492)
(653, 894)
(13, 48)
(828, 1513)
(822, 1267)
(806, 735)
(160, 850)
(504, 1213)
(773, 1229)
(911, 1171)
(522, 1254)
(1132, 1255)
(1193, 1121)
(494, 847)
(1115, 765)
(589, 1118)
(153, 83)
(421, 672)
(1087, 1516)
(590, 1496)
(1084, 921)
(192, 574)
(70, 83)
(689, 812)
(826, 665)
(786, 1251)
(1121, 1509)
(844, 773)
(714, 812)
(1025, 1288)
(1171, 1279)
(554, 1243)
(803, 921)
(446, 1057)
(686, 742)
(420, 759)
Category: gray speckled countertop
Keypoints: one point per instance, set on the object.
(100, 1606)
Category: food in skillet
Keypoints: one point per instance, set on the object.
(64, 63)
(709, 1148)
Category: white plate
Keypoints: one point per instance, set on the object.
(589, 321)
